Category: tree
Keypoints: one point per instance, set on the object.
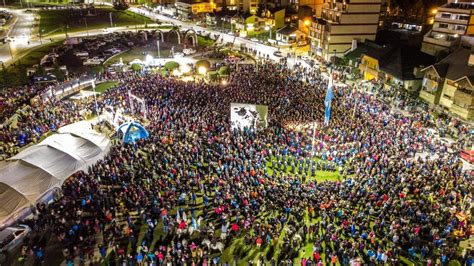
(171, 65)
(136, 67)
(203, 63)
(224, 71)
(120, 5)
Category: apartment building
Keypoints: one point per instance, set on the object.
(188, 8)
(341, 23)
(452, 21)
(449, 83)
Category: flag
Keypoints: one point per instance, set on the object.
(327, 101)
(194, 224)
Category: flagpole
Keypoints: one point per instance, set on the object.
(355, 104)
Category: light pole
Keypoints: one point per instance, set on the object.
(269, 29)
(40, 35)
(65, 29)
(95, 99)
(158, 47)
(87, 29)
(10, 49)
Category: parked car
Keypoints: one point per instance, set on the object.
(91, 62)
(81, 54)
(12, 237)
(178, 55)
(189, 51)
(113, 50)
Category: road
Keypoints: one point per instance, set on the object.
(226, 38)
(25, 37)
(22, 30)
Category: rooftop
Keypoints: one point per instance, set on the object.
(362, 48)
(399, 61)
(287, 30)
(462, 5)
(455, 65)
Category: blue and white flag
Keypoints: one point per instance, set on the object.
(194, 224)
(327, 101)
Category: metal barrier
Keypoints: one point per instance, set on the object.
(67, 88)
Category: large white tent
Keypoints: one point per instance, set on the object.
(28, 176)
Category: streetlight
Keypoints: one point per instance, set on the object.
(269, 29)
(40, 34)
(10, 49)
(87, 29)
(158, 47)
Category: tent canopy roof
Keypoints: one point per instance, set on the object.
(26, 177)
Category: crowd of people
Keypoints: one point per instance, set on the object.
(197, 192)
(26, 118)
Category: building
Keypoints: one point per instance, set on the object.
(188, 8)
(449, 83)
(243, 6)
(452, 20)
(315, 5)
(341, 23)
(289, 35)
(394, 66)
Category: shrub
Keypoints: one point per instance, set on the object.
(213, 75)
(224, 71)
(204, 63)
(171, 65)
(136, 67)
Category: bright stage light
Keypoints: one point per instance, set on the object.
(202, 70)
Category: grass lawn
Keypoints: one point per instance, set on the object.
(35, 55)
(204, 41)
(54, 21)
(15, 75)
(321, 176)
(102, 87)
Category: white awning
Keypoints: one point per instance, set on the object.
(27, 176)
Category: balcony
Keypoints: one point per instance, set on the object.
(428, 97)
(441, 42)
(450, 30)
(449, 20)
(466, 113)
